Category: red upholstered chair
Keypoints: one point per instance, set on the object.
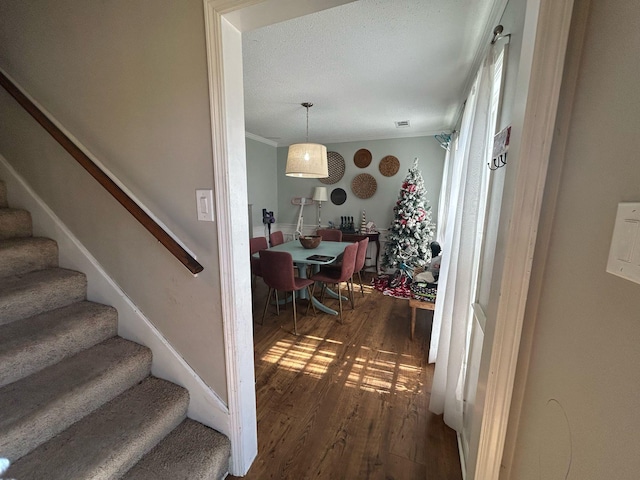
(337, 276)
(276, 238)
(255, 245)
(361, 256)
(277, 273)
(330, 234)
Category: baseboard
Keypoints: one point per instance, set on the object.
(205, 406)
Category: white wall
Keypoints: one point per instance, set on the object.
(262, 181)
(129, 80)
(379, 208)
(581, 394)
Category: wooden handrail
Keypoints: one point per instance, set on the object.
(103, 179)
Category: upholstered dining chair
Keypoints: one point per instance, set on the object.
(255, 245)
(336, 277)
(361, 256)
(330, 234)
(277, 273)
(276, 238)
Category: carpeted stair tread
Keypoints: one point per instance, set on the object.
(34, 343)
(45, 403)
(14, 223)
(108, 442)
(190, 451)
(22, 296)
(23, 255)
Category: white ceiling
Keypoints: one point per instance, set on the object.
(364, 65)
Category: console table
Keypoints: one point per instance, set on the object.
(373, 238)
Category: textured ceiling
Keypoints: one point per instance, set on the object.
(364, 65)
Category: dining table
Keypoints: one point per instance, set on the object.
(303, 257)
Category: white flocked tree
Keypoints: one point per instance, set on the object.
(411, 229)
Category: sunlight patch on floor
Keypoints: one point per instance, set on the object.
(304, 354)
(386, 373)
(366, 289)
(378, 371)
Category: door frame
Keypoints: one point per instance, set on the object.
(545, 36)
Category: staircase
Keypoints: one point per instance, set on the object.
(77, 401)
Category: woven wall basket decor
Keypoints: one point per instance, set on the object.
(364, 185)
(389, 166)
(336, 165)
(362, 158)
(338, 196)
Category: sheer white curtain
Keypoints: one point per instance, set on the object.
(445, 191)
(465, 176)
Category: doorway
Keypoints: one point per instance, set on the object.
(523, 198)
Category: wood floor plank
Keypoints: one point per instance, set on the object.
(347, 401)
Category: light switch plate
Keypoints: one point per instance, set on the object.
(624, 254)
(204, 204)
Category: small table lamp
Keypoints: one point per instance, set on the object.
(320, 195)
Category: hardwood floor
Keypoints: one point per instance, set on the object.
(347, 401)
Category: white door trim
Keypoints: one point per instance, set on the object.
(544, 45)
(229, 168)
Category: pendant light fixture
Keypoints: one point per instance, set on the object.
(307, 160)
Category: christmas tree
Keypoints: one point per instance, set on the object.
(411, 230)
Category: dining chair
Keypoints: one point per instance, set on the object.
(336, 277)
(276, 238)
(330, 234)
(361, 256)
(277, 273)
(255, 245)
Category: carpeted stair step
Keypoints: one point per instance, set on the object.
(34, 343)
(191, 451)
(44, 404)
(14, 223)
(23, 296)
(3, 195)
(108, 442)
(23, 255)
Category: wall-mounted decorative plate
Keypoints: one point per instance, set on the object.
(362, 158)
(336, 165)
(338, 196)
(389, 166)
(364, 185)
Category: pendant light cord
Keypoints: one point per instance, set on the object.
(307, 105)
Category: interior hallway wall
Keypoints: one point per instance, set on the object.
(578, 414)
(129, 80)
(262, 181)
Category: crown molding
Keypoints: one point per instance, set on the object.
(260, 139)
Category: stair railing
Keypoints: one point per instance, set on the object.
(103, 179)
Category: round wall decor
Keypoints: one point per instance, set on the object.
(389, 166)
(364, 185)
(338, 196)
(335, 164)
(362, 158)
